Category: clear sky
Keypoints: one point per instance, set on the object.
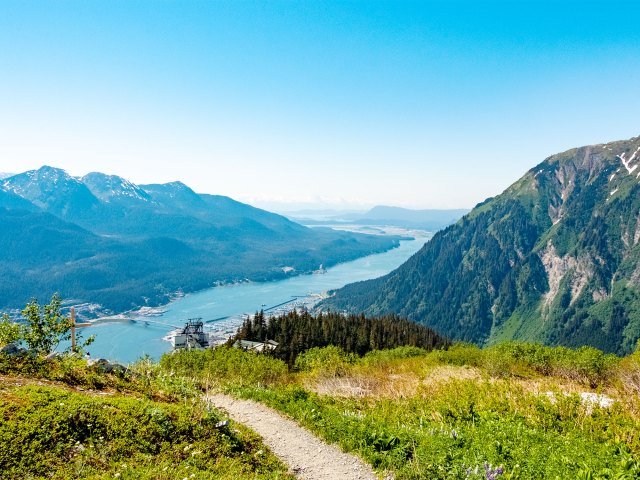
(418, 104)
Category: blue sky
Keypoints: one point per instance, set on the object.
(345, 104)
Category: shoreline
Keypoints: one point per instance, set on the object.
(159, 310)
(126, 336)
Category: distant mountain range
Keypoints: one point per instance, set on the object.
(430, 219)
(555, 258)
(104, 240)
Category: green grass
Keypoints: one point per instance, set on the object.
(444, 414)
(440, 433)
(420, 415)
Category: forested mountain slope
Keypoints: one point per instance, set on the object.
(554, 258)
(101, 239)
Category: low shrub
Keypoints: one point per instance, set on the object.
(628, 379)
(50, 432)
(586, 365)
(459, 354)
(224, 365)
(379, 357)
(326, 361)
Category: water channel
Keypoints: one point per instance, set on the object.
(221, 308)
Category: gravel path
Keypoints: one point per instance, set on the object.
(307, 456)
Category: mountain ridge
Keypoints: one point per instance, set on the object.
(554, 258)
(104, 240)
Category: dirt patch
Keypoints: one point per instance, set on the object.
(446, 373)
(345, 387)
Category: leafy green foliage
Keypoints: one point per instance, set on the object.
(48, 431)
(379, 357)
(585, 365)
(44, 329)
(64, 419)
(330, 361)
(224, 366)
(9, 331)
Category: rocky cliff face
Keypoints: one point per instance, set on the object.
(554, 258)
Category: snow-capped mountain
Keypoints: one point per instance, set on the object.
(110, 188)
(105, 240)
(53, 190)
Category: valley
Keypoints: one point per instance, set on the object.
(319, 240)
(104, 241)
(129, 337)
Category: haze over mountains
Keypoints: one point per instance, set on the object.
(104, 240)
(428, 219)
(554, 258)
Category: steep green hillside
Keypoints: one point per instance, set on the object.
(555, 258)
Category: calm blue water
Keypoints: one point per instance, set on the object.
(126, 341)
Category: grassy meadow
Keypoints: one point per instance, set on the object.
(509, 411)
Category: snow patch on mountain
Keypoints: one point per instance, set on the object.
(627, 162)
(41, 179)
(109, 187)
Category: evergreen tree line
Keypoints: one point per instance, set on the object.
(297, 332)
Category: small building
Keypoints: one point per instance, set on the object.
(191, 336)
(248, 345)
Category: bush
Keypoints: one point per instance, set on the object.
(327, 361)
(586, 365)
(628, 375)
(379, 357)
(232, 367)
(459, 354)
(51, 432)
(44, 330)
(9, 331)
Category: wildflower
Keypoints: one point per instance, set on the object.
(491, 473)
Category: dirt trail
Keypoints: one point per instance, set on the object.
(307, 456)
